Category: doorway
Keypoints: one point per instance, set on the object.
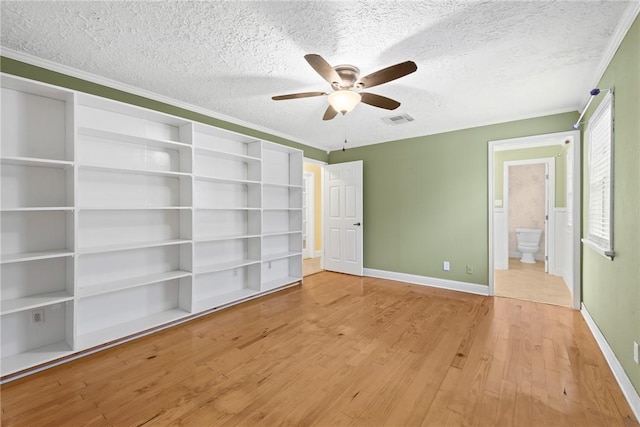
(552, 275)
(528, 199)
(312, 217)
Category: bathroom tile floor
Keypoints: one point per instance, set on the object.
(530, 282)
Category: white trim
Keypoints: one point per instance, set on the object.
(471, 288)
(627, 19)
(575, 262)
(628, 390)
(518, 255)
(541, 140)
(598, 249)
(313, 161)
(317, 254)
(114, 84)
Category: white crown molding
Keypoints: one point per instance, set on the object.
(628, 17)
(74, 72)
(628, 390)
(471, 288)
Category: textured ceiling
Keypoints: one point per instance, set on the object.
(478, 62)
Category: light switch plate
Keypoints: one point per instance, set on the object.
(445, 266)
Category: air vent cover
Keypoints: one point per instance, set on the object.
(398, 120)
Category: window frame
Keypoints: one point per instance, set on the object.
(597, 242)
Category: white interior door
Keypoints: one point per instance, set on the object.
(342, 222)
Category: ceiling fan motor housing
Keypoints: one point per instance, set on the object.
(349, 75)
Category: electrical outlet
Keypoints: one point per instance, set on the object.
(469, 269)
(635, 353)
(446, 266)
(37, 317)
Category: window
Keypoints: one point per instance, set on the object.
(600, 182)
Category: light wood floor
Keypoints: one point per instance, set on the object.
(531, 283)
(311, 266)
(341, 350)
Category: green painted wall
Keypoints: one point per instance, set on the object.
(611, 289)
(11, 66)
(425, 199)
(533, 153)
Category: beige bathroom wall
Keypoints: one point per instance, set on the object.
(526, 202)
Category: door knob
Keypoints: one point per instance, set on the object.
(357, 223)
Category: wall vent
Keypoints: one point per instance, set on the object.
(398, 120)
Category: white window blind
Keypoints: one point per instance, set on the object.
(599, 215)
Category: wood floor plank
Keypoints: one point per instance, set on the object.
(342, 351)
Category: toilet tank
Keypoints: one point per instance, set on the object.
(528, 235)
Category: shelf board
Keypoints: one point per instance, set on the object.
(267, 286)
(216, 239)
(132, 208)
(134, 282)
(36, 255)
(281, 209)
(160, 143)
(38, 209)
(227, 209)
(275, 184)
(34, 301)
(226, 155)
(33, 161)
(127, 246)
(225, 180)
(133, 171)
(212, 268)
(122, 330)
(280, 233)
(223, 299)
(37, 356)
(280, 255)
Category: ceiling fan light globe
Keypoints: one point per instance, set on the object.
(344, 101)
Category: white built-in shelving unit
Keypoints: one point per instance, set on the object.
(117, 220)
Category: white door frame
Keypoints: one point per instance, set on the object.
(321, 177)
(310, 214)
(549, 203)
(539, 141)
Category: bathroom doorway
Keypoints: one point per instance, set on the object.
(533, 188)
(312, 217)
(528, 197)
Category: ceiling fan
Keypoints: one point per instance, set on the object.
(345, 78)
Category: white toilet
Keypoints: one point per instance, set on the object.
(528, 243)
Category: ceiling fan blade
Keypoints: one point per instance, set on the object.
(387, 74)
(297, 95)
(330, 113)
(323, 68)
(379, 101)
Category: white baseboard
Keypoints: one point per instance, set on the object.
(623, 380)
(557, 272)
(472, 288)
(518, 254)
(317, 254)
